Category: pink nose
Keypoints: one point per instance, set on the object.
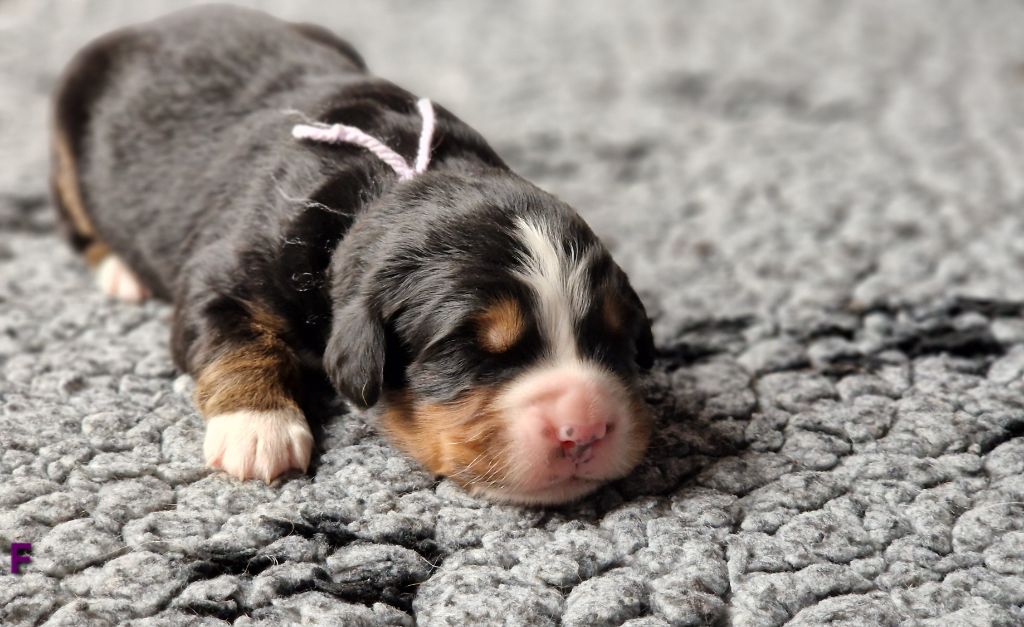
(578, 418)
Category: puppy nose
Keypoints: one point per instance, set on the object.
(578, 418)
(582, 435)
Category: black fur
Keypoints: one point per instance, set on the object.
(188, 170)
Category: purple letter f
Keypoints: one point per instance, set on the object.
(17, 559)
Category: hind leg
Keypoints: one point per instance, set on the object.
(115, 279)
(80, 85)
(113, 276)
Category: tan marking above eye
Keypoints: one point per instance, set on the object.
(611, 312)
(501, 325)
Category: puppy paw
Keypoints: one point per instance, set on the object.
(118, 281)
(251, 444)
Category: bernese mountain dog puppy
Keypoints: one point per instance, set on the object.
(497, 338)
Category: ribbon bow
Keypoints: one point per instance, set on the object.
(344, 134)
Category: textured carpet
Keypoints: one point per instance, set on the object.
(822, 204)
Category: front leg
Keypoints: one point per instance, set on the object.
(246, 375)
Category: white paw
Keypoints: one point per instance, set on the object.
(118, 281)
(258, 444)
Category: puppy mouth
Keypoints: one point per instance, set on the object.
(555, 485)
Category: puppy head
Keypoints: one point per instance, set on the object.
(501, 340)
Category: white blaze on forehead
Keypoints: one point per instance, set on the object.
(558, 279)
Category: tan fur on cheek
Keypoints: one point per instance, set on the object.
(501, 326)
(461, 440)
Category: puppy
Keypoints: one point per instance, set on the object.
(202, 158)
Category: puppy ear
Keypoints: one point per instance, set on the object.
(643, 338)
(354, 357)
(645, 345)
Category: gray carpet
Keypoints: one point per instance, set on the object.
(822, 204)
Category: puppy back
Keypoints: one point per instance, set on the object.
(158, 125)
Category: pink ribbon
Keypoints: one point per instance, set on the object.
(344, 134)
